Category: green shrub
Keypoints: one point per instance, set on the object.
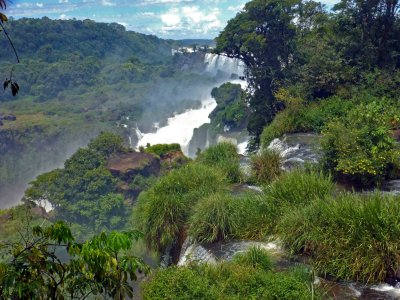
(162, 149)
(177, 283)
(298, 187)
(284, 122)
(162, 211)
(214, 218)
(361, 146)
(226, 281)
(255, 257)
(224, 157)
(353, 237)
(265, 166)
(256, 216)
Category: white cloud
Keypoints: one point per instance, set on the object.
(171, 18)
(38, 4)
(107, 3)
(236, 8)
(191, 19)
(63, 1)
(64, 17)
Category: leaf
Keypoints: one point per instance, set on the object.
(3, 18)
(14, 88)
(5, 84)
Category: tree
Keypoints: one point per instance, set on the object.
(262, 36)
(372, 29)
(84, 191)
(48, 264)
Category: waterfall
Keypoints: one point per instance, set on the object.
(228, 65)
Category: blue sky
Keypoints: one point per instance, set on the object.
(176, 19)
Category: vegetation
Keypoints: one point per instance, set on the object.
(247, 277)
(322, 54)
(266, 166)
(298, 188)
(214, 218)
(231, 109)
(84, 191)
(351, 237)
(100, 266)
(162, 212)
(224, 157)
(361, 145)
(163, 149)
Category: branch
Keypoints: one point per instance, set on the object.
(10, 41)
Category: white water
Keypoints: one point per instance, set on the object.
(179, 128)
(225, 64)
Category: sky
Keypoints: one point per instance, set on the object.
(175, 19)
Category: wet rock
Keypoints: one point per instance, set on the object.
(39, 211)
(128, 165)
(1, 123)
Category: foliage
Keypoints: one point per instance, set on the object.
(256, 216)
(265, 166)
(262, 35)
(298, 188)
(223, 156)
(162, 212)
(255, 257)
(351, 237)
(214, 218)
(242, 279)
(84, 191)
(163, 149)
(100, 266)
(231, 109)
(361, 146)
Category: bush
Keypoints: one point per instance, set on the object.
(256, 216)
(162, 211)
(224, 216)
(353, 237)
(298, 188)
(360, 147)
(255, 257)
(229, 280)
(265, 166)
(214, 218)
(162, 149)
(224, 157)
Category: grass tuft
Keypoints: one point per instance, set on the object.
(352, 237)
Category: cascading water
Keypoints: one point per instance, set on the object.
(179, 128)
(228, 65)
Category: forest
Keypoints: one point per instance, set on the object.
(152, 223)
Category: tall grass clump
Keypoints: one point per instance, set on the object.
(249, 278)
(352, 237)
(256, 216)
(299, 187)
(223, 216)
(162, 211)
(254, 257)
(214, 218)
(223, 156)
(266, 166)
